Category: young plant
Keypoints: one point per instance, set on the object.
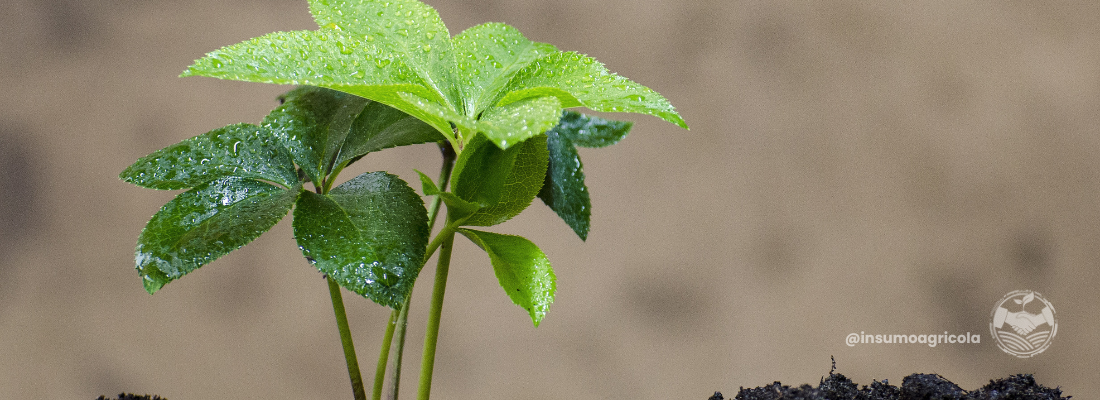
(375, 75)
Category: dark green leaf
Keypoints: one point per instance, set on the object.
(205, 223)
(564, 190)
(368, 234)
(240, 150)
(380, 127)
(313, 124)
(588, 131)
(521, 268)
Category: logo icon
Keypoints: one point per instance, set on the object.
(1016, 326)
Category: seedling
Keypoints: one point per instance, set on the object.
(376, 75)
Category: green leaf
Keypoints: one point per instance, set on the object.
(399, 53)
(579, 80)
(381, 127)
(503, 181)
(521, 268)
(408, 28)
(241, 150)
(368, 234)
(205, 223)
(481, 170)
(564, 190)
(325, 58)
(589, 131)
(487, 56)
(505, 126)
(313, 123)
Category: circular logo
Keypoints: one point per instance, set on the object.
(1023, 323)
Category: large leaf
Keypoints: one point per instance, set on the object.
(241, 150)
(325, 58)
(405, 27)
(399, 52)
(380, 127)
(521, 268)
(488, 55)
(368, 234)
(205, 223)
(564, 190)
(503, 182)
(313, 124)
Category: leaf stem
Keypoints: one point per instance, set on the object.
(431, 336)
(345, 340)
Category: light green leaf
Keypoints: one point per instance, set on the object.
(325, 58)
(205, 223)
(579, 80)
(505, 126)
(487, 56)
(521, 268)
(368, 234)
(408, 30)
(313, 123)
(564, 190)
(241, 150)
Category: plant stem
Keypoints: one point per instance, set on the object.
(402, 315)
(384, 355)
(345, 339)
(402, 323)
(431, 336)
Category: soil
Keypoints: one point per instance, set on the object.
(913, 387)
(128, 396)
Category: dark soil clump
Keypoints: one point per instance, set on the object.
(128, 396)
(913, 387)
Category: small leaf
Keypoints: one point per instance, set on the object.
(205, 223)
(521, 268)
(579, 80)
(564, 190)
(368, 234)
(504, 181)
(1027, 299)
(313, 123)
(589, 131)
(241, 150)
(427, 184)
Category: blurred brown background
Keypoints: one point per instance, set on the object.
(891, 168)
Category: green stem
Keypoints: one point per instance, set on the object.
(345, 340)
(431, 336)
(384, 356)
(402, 323)
(402, 314)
